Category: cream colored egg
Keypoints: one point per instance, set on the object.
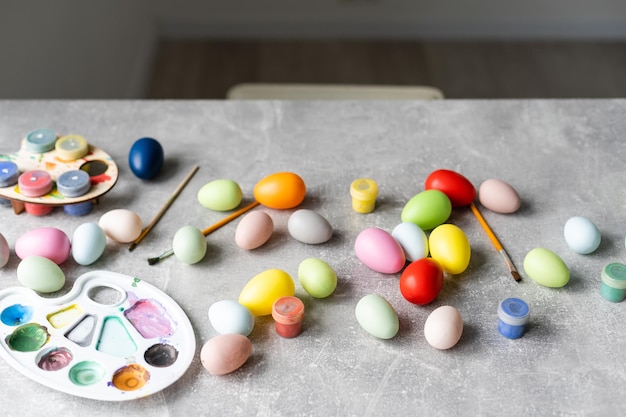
(121, 225)
(499, 196)
(254, 230)
(225, 353)
(443, 327)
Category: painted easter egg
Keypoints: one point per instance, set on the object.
(546, 268)
(459, 189)
(499, 196)
(121, 225)
(427, 209)
(308, 226)
(254, 230)
(88, 243)
(450, 247)
(48, 242)
(146, 158)
(413, 240)
(189, 245)
(421, 281)
(40, 274)
(225, 353)
(262, 290)
(220, 195)
(5, 251)
(282, 190)
(377, 317)
(228, 316)
(379, 251)
(317, 277)
(581, 235)
(443, 327)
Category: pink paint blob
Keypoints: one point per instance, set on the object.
(150, 319)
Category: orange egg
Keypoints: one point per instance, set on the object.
(282, 190)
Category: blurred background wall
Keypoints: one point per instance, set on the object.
(106, 48)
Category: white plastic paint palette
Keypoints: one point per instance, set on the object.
(112, 337)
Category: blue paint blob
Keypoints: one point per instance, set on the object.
(16, 315)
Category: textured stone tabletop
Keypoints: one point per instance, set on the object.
(565, 159)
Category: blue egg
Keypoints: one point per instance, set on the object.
(146, 158)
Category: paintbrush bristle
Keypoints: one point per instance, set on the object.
(152, 261)
(516, 276)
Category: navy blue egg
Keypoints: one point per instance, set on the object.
(146, 158)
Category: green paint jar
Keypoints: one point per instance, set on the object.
(613, 287)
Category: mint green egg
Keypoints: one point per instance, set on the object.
(40, 274)
(317, 277)
(546, 268)
(220, 195)
(189, 245)
(377, 317)
(427, 209)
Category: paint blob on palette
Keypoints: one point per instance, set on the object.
(112, 337)
(51, 170)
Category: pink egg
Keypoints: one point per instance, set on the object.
(379, 251)
(254, 230)
(498, 196)
(48, 242)
(225, 353)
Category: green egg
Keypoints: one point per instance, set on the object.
(377, 317)
(427, 209)
(317, 277)
(189, 245)
(220, 195)
(546, 268)
(40, 274)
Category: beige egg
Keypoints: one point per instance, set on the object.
(225, 353)
(121, 225)
(498, 196)
(254, 230)
(443, 327)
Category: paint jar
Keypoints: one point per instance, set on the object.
(288, 313)
(78, 209)
(9, 173)
(613, 287)
(513, 314)
(38, 209)
(363, 192)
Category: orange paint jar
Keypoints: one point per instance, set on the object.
(288, 313)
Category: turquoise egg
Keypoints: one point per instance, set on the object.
(377, 317)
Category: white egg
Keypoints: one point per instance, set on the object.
(308, 226)
(443, 327)
(88, 243)
(581, 235)
(229, 317)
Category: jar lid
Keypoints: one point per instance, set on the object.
(73, 183)
(288, 310)
(71, 147)
(41, 140)
(514, 312)
(614, 275)
(9, 173)
(364, 189)
(35, 183)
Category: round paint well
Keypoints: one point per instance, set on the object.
(161, 355)
(28, 338)
(16, 315)
(86, 373)
(54, 359)
(131, 377)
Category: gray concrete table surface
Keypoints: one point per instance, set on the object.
(565, 158)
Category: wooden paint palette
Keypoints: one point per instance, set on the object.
(112, 337)
(102, 170)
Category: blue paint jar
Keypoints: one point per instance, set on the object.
(513, 315)
(78, 209)
(9, 173)
(40, 140)
(73, 183)
(613, 287)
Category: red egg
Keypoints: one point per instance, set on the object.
(421, 281)
(459, 189)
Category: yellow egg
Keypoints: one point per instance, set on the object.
(259, 294)
(449, 246)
